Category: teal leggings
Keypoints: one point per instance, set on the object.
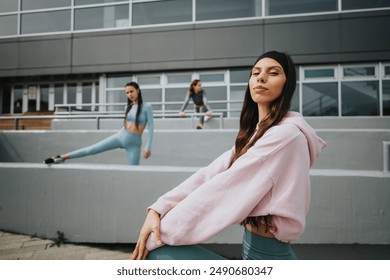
(122, 139)
(257, 247)
(187, 252)
(254, 247)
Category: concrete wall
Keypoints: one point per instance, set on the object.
(106, 203)
(354, 149)
(333, 38)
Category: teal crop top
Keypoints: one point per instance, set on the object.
(145, 117)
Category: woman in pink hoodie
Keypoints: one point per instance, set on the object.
(263, 182)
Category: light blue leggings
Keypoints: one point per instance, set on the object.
(123, 139)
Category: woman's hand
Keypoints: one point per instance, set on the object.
(147, 154)
(182, 114)
(151, 224)
(209, 113)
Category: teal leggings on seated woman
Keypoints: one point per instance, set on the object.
(255, 247)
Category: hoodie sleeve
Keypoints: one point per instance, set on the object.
(231, 195)
(173, 197)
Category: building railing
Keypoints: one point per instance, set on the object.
(99, 117)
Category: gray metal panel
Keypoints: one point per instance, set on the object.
(304, 37)
(334, 38)
(97, 50)
(8, 55)
(44, 53)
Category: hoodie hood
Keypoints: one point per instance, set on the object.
(314, 142)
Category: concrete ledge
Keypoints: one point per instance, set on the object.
(106, 203)
(355, 149)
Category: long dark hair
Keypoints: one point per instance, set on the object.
(191, 89)
(130, 104)
(248, 121)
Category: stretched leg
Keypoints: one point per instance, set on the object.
(132, 143)
(110, 143)
(188, 252)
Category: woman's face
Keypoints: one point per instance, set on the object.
(132, 93)
(198, 87)
(266, 81)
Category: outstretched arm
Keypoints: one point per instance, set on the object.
(186, 101)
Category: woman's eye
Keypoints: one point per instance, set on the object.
(274, 73)
(255, 73)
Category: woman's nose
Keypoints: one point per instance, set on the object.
(261, 78)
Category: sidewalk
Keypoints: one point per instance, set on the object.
(24, 247)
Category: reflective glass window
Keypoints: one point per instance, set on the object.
(295, 101)
(116, 96)
(153, 95)
(9, 25)
(71, 94)
(237, 93)
(102, 17)
(225, 9)
(158, 12)
(58, 94)
(216, 93)
(387, 70)
(44, 4)
(18, 100)
(360, 98)
(319, 73)
(175, 95)
(239, 76)
(218, 77)
(45, 22)
(44, 98)
(386, 97)
(179, 78)
(8, 6)
(363, 4)
(319, 99)
(91, 2)
(359, 71)
(87, 96)
(118, 82)
(285, 7)
(148, 80)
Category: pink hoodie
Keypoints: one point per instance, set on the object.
(272, 177)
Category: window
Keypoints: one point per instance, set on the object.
(359, 71)
(239, 76)
(44, 98)
(90, 2)
(175, 95)
(211, 77)
(319, 73)
(319, 99)
(360, 98)
(158, 12)
(9, 25)
(386, 97)
(148, 80)
(8, 6)
(179, 79)
(45, 22)
(363, 4)
(153, 95)
(285, 7)
(225, 9)
(44, 4)
(102, 17)
(118, 82)
(17, 100)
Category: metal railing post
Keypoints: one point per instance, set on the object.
(386, 156)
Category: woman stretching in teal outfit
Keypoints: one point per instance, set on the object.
(137, 116)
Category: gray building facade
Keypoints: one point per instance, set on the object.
(341, 49)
